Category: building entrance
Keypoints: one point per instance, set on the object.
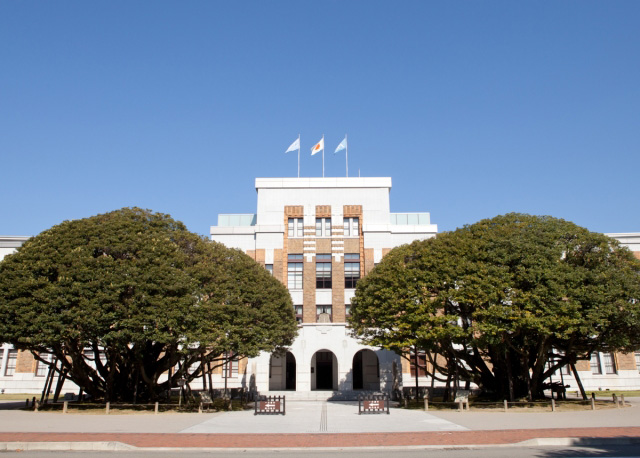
(324, 370)
(366, 371)
(282, 372)
(290, 372)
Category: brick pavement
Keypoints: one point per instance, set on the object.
(449, 438)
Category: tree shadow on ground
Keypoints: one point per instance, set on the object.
(624, 446)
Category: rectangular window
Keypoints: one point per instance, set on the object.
(320, 309)
(269, 268)
(42, 368)
(347, 310)
(596, 367)
(422, 364)
(298, 311)
(351, 270)
(323, 271)
(294, 271)
(296, 228)
(323, 227)
(11, 363)
(609, 363)
(351, 227)
(230, 368)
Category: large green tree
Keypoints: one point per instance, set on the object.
(147, 295)
(504, 302)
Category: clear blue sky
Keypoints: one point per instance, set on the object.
(474, 108)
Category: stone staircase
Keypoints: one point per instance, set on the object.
(322, 395)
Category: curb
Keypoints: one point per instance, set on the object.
(66, 446)
(121, 446)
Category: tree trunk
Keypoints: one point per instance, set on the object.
(578, 381)
(415, 356)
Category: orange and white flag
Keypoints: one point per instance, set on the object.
(318, 147)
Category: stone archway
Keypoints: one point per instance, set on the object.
(282, 372)
(324, 370)
(366, 371)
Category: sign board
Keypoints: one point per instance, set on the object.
(462, 395)
(272, 405)
(373, 404)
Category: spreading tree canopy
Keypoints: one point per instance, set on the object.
(122, 298)
(504, 302)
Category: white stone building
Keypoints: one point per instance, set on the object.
(319, 236)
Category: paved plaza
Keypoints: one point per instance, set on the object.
(311, 424)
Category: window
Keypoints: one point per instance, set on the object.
(11, 363)
(323, 227)
(323, 271)
(347, 310)
(596, 367)
(351, 270)
(42, 368)
(298, 311)
(296, 228)
(609, 363)
(351, 227)
(230, 368)
(422, 364)
(638, 360)
(269, 268)
(323, 309)
(294, 271)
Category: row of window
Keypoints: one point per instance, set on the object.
(323, 270)
(601, 363)
(351, 227)
(607, 361)
(12, 359)
(320, 309)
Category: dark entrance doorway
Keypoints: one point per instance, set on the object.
(366, 371)
(357, 371)
(290, 372)
(324, 370)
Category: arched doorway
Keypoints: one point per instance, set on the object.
(324, 370)
(282, 372)
(366, 371)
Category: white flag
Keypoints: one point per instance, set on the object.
(341, 146)
(318, 147)
(294, 146)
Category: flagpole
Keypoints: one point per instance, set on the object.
(322, 155)
(347, 154)
(298, 155)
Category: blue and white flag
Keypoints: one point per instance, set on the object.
(294, 146)
(341, 146)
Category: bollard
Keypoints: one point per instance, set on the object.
(593, 403)
(622, 400)
(108, 408)
(426, 404)
(553, 405)
(65, 406)
(36, 404)
(506, 406)
(460, 406)
(156, 409)
(200, 408)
